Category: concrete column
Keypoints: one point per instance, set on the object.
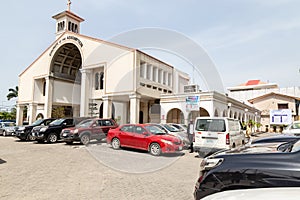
(84, 96)
(76, 111)
(20, 113)
(144, 66)
(48, 97)
(107, 107)
(156, 75)
(151, 72)
(161, 76)
(134, 108)
(32, 112)
(167, 78)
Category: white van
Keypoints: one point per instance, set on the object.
(215, 133)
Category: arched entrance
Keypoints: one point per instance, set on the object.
(112, 111)
(66, 63)
(39, 116)
(175, 116)
(203, 112)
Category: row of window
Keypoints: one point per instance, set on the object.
(71, 27)
(155, 74)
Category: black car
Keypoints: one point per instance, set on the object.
(24, 132)
(221, 172)
(51, 133)
(275, 139)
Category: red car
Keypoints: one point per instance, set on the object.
(144, 136)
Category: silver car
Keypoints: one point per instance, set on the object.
(7, 128)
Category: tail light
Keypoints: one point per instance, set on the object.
(227, 139)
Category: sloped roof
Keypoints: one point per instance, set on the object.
(271, 94)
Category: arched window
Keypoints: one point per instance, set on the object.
(101, 81)
(44, 88)
(97, 81)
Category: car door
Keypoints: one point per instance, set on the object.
(126, 135)
(106, 124)
(140, 138)
(97, 130)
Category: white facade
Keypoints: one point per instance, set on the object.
(86, 76)
(92, 77)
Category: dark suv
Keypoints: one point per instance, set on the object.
(88, 130)
(51, 133)
(24, 132)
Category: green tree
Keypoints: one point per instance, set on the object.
(13, 93)
(58, 112)
(7, 115)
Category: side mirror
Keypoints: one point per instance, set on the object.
(146, 134)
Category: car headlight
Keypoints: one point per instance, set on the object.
(76, 131)
(166, 141)
(43, 129)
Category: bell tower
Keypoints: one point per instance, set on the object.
(67, 21)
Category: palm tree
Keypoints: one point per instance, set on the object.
(13, 93)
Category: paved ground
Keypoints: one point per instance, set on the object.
(30, 170)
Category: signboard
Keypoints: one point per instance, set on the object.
(190, 88)
(281, 117)
(192, 103)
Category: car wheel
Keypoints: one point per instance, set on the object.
(30, 137)
(155, 149)
(52, 138)
(115, 143)
(69, 143)
(4, 133)
(85, 139)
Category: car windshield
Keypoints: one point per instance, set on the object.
(155, 130)
(85, 123)
(214, 125)
(170, 128)
(57, 122)
(9, 124)
(37, 122)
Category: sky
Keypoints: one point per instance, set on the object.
(246, 39)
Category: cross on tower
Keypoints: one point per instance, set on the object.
(69, 5)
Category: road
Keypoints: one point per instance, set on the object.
(29, 170)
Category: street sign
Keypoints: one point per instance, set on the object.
(281, 117)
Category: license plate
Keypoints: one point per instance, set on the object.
(65, 134)
(33, 134)
(209, 141)
(180, 148)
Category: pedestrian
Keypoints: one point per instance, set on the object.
(190, 132)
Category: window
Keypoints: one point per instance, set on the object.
(139, 130)
(101, 81)
(128, 128)
(283, 106)
(97, 81)
(214, 125)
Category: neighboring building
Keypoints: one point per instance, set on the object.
(268, 98)
(286, 107)
(83, 76)
(186, 106)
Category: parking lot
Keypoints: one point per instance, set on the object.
(29, 170)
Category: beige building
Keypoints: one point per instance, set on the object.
(275, 101)
(268, 97)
